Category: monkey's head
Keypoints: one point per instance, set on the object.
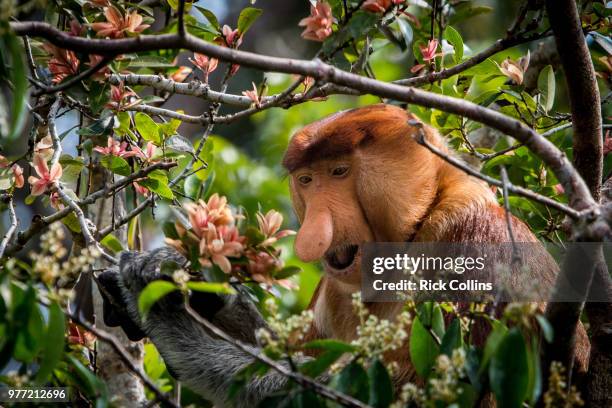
(359, 176)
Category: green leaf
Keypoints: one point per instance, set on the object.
(210, 16)
(111, 242)
(497, 334)
(486, 67)
(116, 164)
(509, 371)
(546, 85)
(211, 287)
(180, 144)
(88, 382)
(99, 127)
(329, 344)
(361, 23)
(11, 46)
(534, 388)
(148, 129)
(381, 387)
(437, 321)
(192, 186)
(423, 349)
(158, 186)
(353, 380)
(407, 32)
(319, 365)
(452, 338)
(152, 293)
(247, 18)
(454, 38)
(466, 10)
(53, 347)
(547, 329)
(287, 271)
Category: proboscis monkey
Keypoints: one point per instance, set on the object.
(356, 176)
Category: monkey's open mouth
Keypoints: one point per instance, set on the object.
(341, 257)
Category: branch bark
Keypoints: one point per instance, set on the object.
(586, 119)
(579, 195)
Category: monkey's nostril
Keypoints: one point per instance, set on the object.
(341, 257)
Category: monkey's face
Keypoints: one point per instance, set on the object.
(358, 176)
(333, 223)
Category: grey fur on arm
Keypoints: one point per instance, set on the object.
(205, 363)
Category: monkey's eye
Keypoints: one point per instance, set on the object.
(304, 179)
(339, 171)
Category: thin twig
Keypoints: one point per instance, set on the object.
(41, 223)
(579, 194)
(46, 89)
(57, 187)
(124, 356)
(508, 214)
(420, 139)
(11, 231)
(304, 381)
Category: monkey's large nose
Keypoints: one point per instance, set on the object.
(315, 234)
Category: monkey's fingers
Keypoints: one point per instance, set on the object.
(114, 307)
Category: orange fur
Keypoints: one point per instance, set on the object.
(395, 190)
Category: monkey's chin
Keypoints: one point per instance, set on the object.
(349, 273)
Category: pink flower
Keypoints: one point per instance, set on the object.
(56, 201)
(429, 52)
(233, 38)
(44, 147)
(63, 63)
(205, 64)
(261, 265)
(559, 189)
(4, 163)
(219, 244)
(515, 70)
(214, 212)
(143, 191)
(269, 225)
(118, 26)
(18, 174)
(103, 72)
(253, 95)
(148, 154)
(379, 6)
(114, 148)
(118, 94)
(75, 28)
(319, 23)
(45, 177)
(180, 74)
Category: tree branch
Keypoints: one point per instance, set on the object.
(549, 202)
(11, 231)
(45, 89)
(579, 195)
(304, 381)
(40, 223)
(125, 357)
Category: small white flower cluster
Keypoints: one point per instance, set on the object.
(181, 277)
(376, 336)
(282, 332)
(410, 395)
(521, 313)
(449, 370)
(557, 394)
(47, 263)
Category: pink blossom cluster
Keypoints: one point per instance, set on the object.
(217, 238)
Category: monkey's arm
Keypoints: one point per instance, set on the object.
(203, 362)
